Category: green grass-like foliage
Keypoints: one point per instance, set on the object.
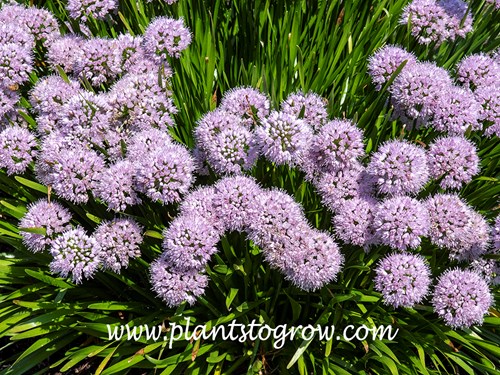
(278, 46)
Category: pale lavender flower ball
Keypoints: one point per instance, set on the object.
(166, 174)
(400, 222)
(166, 36)
(51, 216)
(478, 70)
(496, 235)
(65, 52)
(115, 186)
(416, 90)
(12, 13)
(338, 144)
(8, 100)
(489, 99)
(50, 93)
(213, 123)
(453, 161)
(16, 63)
(175, 286)
(456, 110)
(76, 254)
(189, 242)
(403, 279)
(399, 168)
(488, 269)
(246, 102)
(17, 149)
(134, 59)
(282, 137)
(385, 61)
(316, 263)
(461, 298)
(232, 151)
(118, 241)
(199, 202)
(233, 201)
(147, 142)
(311, 104)
(98, 63)
(353, 222)
(98, 9)
(42, 25)
(17, 34)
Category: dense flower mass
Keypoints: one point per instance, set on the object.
(461, 298)
(353, 222)
(16, 63)
(17, 34)
(478, 71)
(166, 37)
(385, 62)
(247, 103)
(310, 107)
(98, 63)
(489, 99)
(17, 149)
(98, 9)
(65, 52)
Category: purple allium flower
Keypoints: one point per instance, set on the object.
(199, 202)
(166, 37)
(478, 70)
(75, 254)
(17, 34)
(437, 20)
(51, 216)
(116, 187)
(147, 142)
(17, 149)
(488, 269)
(98, 9)
(313, 106)
(98, 63)
(338, 144)
(211, 124)
(385, 61)
(496, 3)
(416, 90)
(16, 63)
(65, 52)
(166, 174)
(189, 242)
(134, 58)
(8, 100)
(316, 263)
(42, 25)
(353, 222)
(243, 101)
(12, 13)
(456, 110)
(175, 286)
(496, 235)
(282, 137)
(489, 99)
(461, 298)
(399, 222)
(403, 279)
(399, 168)
(233, 150)
(118, 241)
(234, 201)
(454, 160)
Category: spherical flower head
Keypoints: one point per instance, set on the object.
(76, 254)
(478, 71)
(176, 286)
(98, 63)
(385, 61)
(65, 52)
(49, 94)
(116, 186)
(42, 25)
(247, 103)
(310, 105)
(147, 142)
(118, 241)
(8, 101)
(399, 168)
(316, 264)
(338, 144)
(488, 269)
(166, 174)
(400, 222)
(232, 151)
(353, 222)
(134, 58)
(453, 161)
(489, 99)
(435, 21)
(199, 202)
(283, 137)
(166, 36)
(461, 298)
(212, 124)
(233, 201)
(50, 216)
(17, 149)
(189, 242)
(416, 90)
(12, 12)
(98, 9)
(17, 34)
(16, 63)
(496, 235)
(403, 279)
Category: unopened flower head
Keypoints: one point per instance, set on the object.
(165, 37)
(310, 105)
(248, 103)
(385, 61)
(17, 149)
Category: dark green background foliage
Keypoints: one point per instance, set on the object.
(49, 325)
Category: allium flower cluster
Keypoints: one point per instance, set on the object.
(403, 279)
(246, 102)
(310, 105)
(496, 235)
(75, 254)
(488, 269)
(8, 100)
(489, 99)
(461, 298)
(16, 63)
(399, 167)
(453, 161)
(42, 25)
(478, 71)
(385, 61)
(17, 149)
(147, 142)
(65, 52)
(166, 37)
(353, 222)
(134, 58)
(199, 202)
(98, 9)
(17, 34)
(49, 216)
